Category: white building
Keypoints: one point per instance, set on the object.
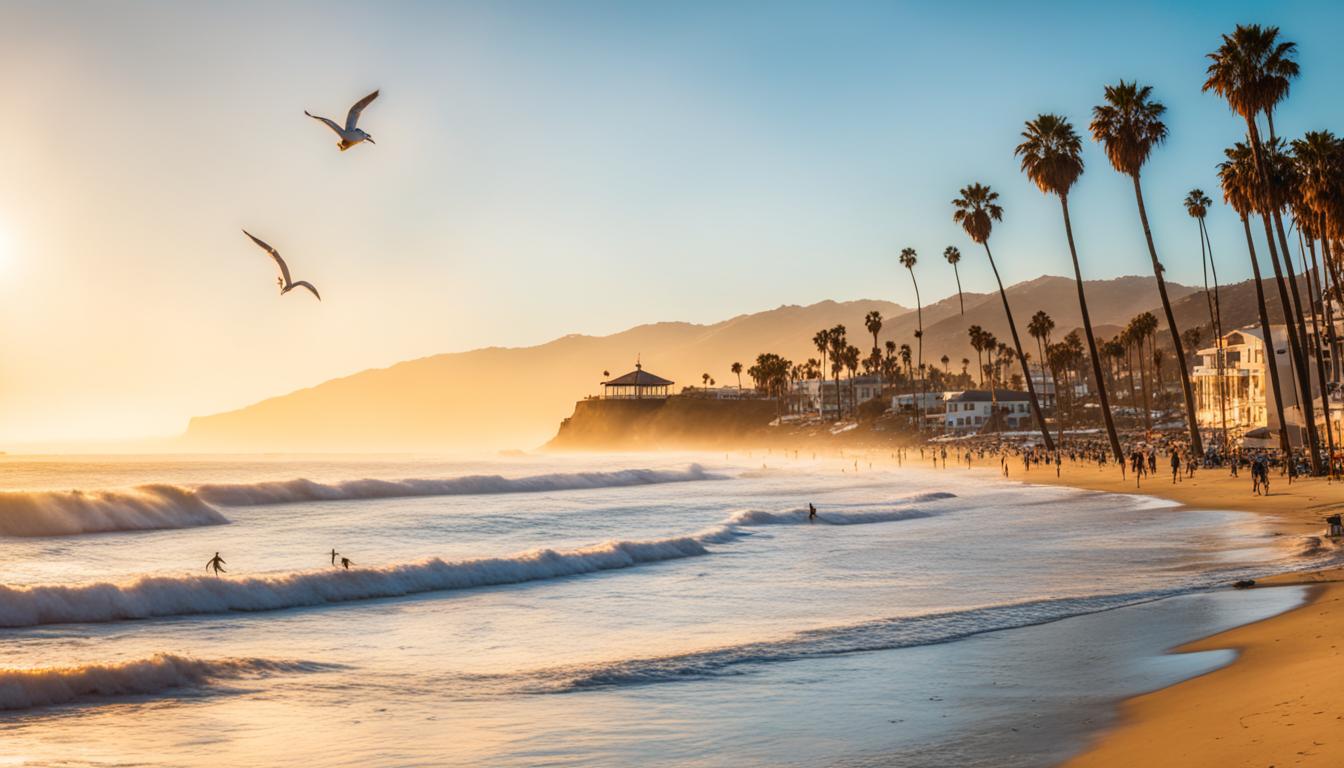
(970, 410)
(819, 396)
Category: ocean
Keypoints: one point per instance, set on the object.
(593, 610)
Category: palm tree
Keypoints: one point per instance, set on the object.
(1129, 125)
(704, 377)
(839, 344)
(977, 335)
(1039, 327)
(908, 260)
(873, 322)
(1252, 71)
(1197, 205)
(945, 361)
(822, 341)
(953, 256)
(1052, 158)
(965, 365)
(737, 369)
(976, 211)
(1238, 178)
(890, 347)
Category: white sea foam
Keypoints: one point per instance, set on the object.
(154, 507)
(290, 491)
(160, 596)
(46, 686)
(65, 513)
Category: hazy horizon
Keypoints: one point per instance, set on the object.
(587, 168)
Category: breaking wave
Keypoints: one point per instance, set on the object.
(289, 491)
(157, 507)
(66, 513)
(162, 596)
(47, 686)
(881, 634)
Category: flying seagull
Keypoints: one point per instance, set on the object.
(286, 284)
(350, 135)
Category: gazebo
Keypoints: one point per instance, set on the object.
(638, 384)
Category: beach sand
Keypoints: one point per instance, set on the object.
(1281, 702)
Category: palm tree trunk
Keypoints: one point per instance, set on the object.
(960, 299)
(1021, 358)
(1323, 291)
(1218, 330)
(1270, 361)
(919, 318)
(1196, 442)
(1091, 341)
(1294, 346)
(1320, 358)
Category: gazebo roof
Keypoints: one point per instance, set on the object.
(638, 378)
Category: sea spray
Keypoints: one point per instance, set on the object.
(161, 596)
(66, 513)
(290, 491)
(47, 686)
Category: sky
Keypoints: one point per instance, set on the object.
(545, 168)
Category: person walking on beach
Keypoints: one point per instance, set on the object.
(811, 513)
(216, 562)
(1175, 466)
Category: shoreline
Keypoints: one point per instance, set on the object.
(1282, 697)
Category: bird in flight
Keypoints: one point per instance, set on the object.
(286, 283)
(350, 135)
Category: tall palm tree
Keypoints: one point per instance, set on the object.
(1320, 159)
(1052, 158)
(822, 341)
(839, 346)
(953, 256)
(945, 361)
(1252, 71)
(908, 260)
(1197, 206)
(1238, 177)
(976, 211)
(737, 369)
(873, 322)
(976, 334)
(1129, 125)
(1039, 327)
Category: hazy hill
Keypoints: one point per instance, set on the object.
(497, 397)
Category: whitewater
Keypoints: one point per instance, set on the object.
(593, 610)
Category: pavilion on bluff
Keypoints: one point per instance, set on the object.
(638, 384)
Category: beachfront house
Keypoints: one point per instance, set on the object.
(638, 384)
(970, 410)
(820, 397)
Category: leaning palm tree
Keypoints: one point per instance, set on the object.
(976, 211)
(908, 260)
(953, 256)
(1252, 71)
(1197, 205)
(1239, 180)
(1129, 125)
(1052, 157)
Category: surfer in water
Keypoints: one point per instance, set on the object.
(811, 513)
(216, 562)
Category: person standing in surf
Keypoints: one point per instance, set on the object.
(334, 555)
(216, 562)
(811, 513)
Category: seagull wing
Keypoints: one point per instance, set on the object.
(309, 286)
(353, 117)
(284, 268)
(330, 123)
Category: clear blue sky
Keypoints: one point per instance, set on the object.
(545, 168)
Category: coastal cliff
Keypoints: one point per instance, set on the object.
(675, 422)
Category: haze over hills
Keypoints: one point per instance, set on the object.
(515, 397)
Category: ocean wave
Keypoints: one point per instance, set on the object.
(162, 596)
(290, 491)
(66, 513)
(48, 686)
(882, 634)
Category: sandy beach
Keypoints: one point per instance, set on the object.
(1281, 702)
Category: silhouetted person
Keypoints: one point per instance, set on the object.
(345, 563)
(811, 513)
(334, 555)
(1175, 467)
(215, 563)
